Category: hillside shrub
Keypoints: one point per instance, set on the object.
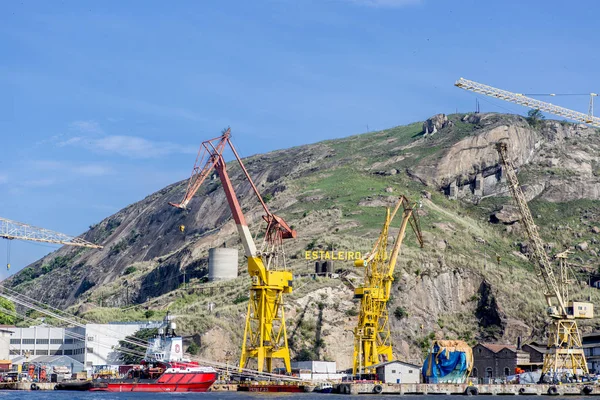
(400, 313)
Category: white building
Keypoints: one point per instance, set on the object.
(398, 372)
(316, 370)
(92, 345)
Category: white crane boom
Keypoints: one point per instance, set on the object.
(522, 100)
(18, 230)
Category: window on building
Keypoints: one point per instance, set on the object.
(410, 371)
(28, 341)
(41, 352)
(89, 364)
(69, 341)
(474, 373)
(69, 352)
(90, 338)
(479, 350)
(41, 341)
(393, 371)
(15, 341)
(90, 350)
(506, 371)
(489, 373)
(56, 341)
(56, 352)
(14, 352)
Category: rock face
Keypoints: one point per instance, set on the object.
(507, 215)
(435, 123)
(461, 162)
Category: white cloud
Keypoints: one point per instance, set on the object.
(94, 139)
(131, 146)
(88, 127)
(386, 3)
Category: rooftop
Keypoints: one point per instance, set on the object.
(396, 362)
(498, 347)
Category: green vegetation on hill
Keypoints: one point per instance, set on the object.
(472, 281)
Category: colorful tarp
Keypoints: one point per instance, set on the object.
(449, 361)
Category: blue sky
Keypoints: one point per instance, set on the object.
(102, 103)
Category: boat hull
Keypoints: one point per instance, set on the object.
(178, 382)
(271, 388)
(151, 387)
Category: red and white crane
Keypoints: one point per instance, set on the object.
(265, 337)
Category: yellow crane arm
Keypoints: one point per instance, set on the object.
(537, 244)
(409, 216)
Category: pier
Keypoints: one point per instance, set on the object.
(578, 389)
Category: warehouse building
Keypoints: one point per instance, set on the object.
(398, 372)
(90, 345)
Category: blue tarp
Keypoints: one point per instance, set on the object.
(442, 365)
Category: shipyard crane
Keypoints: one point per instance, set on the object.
(372, 337)
(523, 100)
(11, 230)
(265, 337)
(565, 350)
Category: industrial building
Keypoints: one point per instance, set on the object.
(498, 361)
(398, 372)
(90, 345)
(591, 348)
(316, 370)
(53, 362)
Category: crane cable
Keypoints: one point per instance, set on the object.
(8, 254)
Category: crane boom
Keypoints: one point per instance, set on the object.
(539, 254)
(522, 100)
(372, 336)
(18, 230)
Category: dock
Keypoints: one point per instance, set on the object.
(24, 385)
(578, 389)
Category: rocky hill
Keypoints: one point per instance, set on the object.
(334, 193)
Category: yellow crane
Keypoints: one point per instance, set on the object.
(265, 337)
(565, 351)
(11, 230)
(372, 336)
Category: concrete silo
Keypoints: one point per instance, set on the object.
(222, 264)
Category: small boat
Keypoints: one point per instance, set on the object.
(324, 387)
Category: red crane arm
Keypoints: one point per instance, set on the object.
(209, 152)
(211, 156)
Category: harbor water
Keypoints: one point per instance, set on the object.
(60, 395)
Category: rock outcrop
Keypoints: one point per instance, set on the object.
(435, 123)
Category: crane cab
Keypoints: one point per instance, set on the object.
(580, 310)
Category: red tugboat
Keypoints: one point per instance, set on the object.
(163, 370)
